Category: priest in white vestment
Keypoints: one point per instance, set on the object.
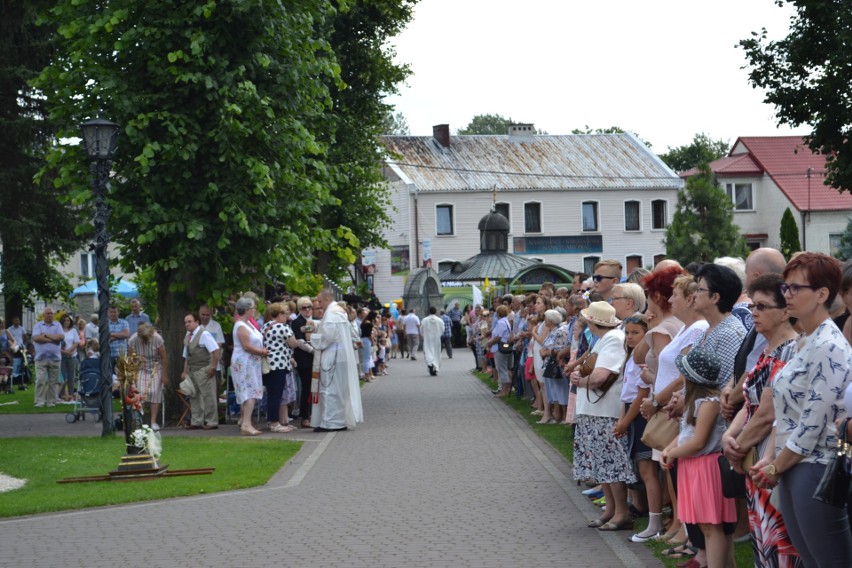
(338, 404)
(432, 329)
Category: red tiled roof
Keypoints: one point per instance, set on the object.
(786, 160)
(739, 164)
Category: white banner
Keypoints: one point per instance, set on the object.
(477, 296)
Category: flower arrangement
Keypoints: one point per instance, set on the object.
(148, 440)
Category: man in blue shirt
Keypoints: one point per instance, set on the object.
(119, 331)
(47, 336)
(447, 337)
(455, 317)
(136, 316)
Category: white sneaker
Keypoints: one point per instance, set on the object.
(155, 427)
(39, 405)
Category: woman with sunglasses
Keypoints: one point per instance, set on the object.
(750, 429)
(808, 398)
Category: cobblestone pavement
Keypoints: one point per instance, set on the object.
(441, 474)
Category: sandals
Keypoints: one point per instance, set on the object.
(681, 551)
(597, 523)
(279, 429)
(622, 526)
(252, 432)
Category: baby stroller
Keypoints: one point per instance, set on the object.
(88, 394)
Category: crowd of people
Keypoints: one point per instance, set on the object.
(717, 389)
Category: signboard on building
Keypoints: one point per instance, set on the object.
(570, 244)
(400, 259)
(427, 253)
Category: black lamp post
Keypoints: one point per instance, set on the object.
(100, 139)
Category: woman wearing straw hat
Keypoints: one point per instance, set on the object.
(598, 454)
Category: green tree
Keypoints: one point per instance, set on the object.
(36, 227)
(359, 35)
(395, 124)
(845, 250)
(219, 178)
(806, 76)
(487, 124)
(608, 130)
(701, 150)
(703, 226)
(789, 235)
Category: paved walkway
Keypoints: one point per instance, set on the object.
(441, 474)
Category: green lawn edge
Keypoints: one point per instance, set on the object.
(45, 460)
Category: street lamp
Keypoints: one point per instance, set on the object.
(100, 140)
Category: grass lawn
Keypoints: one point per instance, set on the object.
(561, 438)
(43, 461)
(23, 402)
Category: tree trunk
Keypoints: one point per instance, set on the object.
(171, 307)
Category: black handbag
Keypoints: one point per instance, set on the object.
(733, 483)
(834, 487)
(505, 347)
(552, 370)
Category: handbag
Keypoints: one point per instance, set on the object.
(660, 431)
(733, 483)
(834, 487)
(586, 368)
(552, 370)
(505, 347)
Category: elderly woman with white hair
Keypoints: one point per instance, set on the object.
(246, 364)
(627, 299)
(598, 454)
(555, 388)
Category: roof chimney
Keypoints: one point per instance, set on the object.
(441, 134)
(521, 130)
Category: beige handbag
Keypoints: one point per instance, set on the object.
(660, 431)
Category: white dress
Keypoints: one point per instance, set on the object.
(245, 367)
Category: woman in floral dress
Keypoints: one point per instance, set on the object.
(246, 365)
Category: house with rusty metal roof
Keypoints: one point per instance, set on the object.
(764, 175)
(570, 200)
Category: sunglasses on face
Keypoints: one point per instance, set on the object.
(599, 277)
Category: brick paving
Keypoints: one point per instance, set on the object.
(441, 474)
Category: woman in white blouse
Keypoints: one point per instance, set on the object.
(808, 398)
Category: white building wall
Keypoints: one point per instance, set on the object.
(770, 203)
(561, 216)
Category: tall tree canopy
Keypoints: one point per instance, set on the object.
(702, 227)
(487, 124)
(358, 35)
(702, 150)
(807, 75)
(36, 227)
(220, 174)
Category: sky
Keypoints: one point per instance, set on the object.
(663, 69)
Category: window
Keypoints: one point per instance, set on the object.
(590, 216)
(444, 219)
(834, 244)
(503, 209)
(634, 261)
(631, 215)
(589, 263)
(659, 215)
(445, 265)
(740, 194)
(532, 217)
(87, 265)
